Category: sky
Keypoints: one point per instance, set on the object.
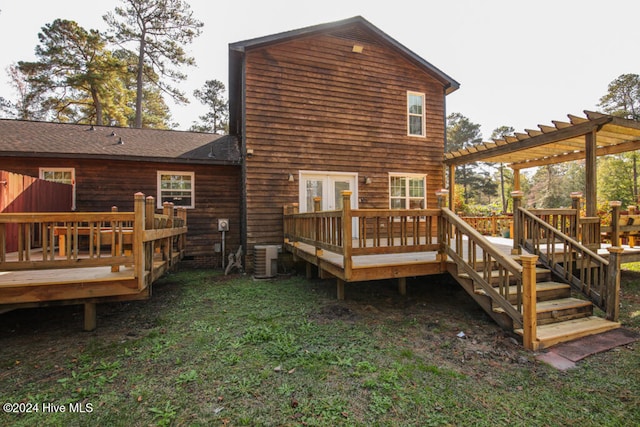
(519, 63)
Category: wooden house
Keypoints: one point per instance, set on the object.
(333, 107)
(107, 165)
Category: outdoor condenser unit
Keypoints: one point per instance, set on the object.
(265, 261)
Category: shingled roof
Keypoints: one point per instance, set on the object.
(44, 139)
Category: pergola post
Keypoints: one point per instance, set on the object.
(518, 230)
(591, 173)
(516, 180)
(452, 185)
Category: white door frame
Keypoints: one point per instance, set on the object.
(329, 179)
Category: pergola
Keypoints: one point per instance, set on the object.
(579, 139)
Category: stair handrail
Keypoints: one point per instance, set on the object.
(455, 229)
(592, 275)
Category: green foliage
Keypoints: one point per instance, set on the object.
(477, 183)
(76, 76)
(615, 178)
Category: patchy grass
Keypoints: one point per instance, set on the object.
(215, 350)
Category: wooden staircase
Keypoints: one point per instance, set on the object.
(560, 316)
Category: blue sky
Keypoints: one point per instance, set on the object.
(519, 63)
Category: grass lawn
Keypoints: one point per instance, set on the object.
(210, 350)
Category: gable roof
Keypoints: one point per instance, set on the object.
(352, 25)
(45, 139)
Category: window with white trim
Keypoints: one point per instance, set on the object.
(63, 176)
(415, 114)
(177, 188)
(407, 191)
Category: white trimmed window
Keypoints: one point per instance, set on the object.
(415, 114)
(177, 188)
(63, 176)
(407, 191)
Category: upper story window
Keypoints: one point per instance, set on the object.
(63, 176)
(407, 191)
(415, 114)
(177, 188)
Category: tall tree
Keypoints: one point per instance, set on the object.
(462, 133)
(77, 75)
(615, 178)
(28, 103)
(155, 112)
(623, 97)
(159, 28)
(216, 119)
(500, 133)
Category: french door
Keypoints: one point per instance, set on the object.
(329, 187)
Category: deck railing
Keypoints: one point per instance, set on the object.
(495, 225)
(494, 273)
(596, 278)
(353, 232)
(55, 240)
(625, 226)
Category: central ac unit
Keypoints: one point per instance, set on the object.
(265, 261)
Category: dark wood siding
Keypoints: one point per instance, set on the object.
(313, 104)
(101, 184)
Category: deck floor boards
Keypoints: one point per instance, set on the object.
(63, 276)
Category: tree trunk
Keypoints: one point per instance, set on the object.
(140, 82)
(97, 105)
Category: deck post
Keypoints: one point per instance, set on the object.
(529, 316)
(575, 204)
(340, 286)
(402, 286)
(441, 196)
(613, 283)
(138, 235)
(149, 225)
(317, 207)
(632, 238)
(115, 246)
(309, 271)
(347, 238)
(90, 316)
(615, 222)
(182, 239)
(518, 229)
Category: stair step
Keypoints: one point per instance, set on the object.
(570, 330)
(495, 274)
(545, 291)
(561, 304)
(559, 310)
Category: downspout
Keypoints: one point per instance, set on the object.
(243, 149)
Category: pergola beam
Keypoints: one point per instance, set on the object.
(579, 155)
(571, 131)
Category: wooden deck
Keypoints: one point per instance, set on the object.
(103, 257)
(509, 284)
